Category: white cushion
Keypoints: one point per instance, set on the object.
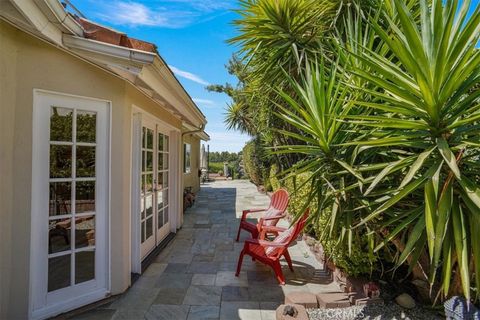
(282, 237)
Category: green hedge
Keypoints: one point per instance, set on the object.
(252, 162)
(214, 167)
(274, 181)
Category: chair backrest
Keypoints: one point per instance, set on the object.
(278, 205)
(288, 236)
(299, 225)
(279, 200)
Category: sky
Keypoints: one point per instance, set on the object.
(191, 36)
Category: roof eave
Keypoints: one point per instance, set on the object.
(145, 69)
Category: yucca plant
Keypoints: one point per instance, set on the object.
(426, 118)
(279, 34)
(320, 100)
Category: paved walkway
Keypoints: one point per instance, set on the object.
(194, 277)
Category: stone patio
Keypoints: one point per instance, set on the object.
(194, 276)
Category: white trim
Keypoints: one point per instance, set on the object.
(176, 184)
(90, 45)
(136, 109)
(65, 19)
(109, 198)
(139, 118)
(136, 260)
(70, 304)
(37, 91)
(42, 304)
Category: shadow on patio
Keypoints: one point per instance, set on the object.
(194, 276)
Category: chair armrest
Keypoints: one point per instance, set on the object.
(272, 229)
(254, 210)
(263, 230)
(264, 243)
(280, 216)
(246, 212)
(251, 241)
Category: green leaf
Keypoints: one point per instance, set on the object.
(350, 169)
(449, 157)
(461, 247)
(444, 207)
(383, 174)
(474, 222)
(413, 238)
(430, 216)
(400, 195)
(447, 264)
(472, 191)
(415, 167)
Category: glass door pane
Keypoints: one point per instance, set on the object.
(148, 191)
(154, 175)
(162, 181)
(148, 186)
(72, 190)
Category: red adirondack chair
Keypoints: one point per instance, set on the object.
(276, 210)
(270, 252)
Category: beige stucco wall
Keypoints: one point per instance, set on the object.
(191, 179)
(8, 65)
(27, 63)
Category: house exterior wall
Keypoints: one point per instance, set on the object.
(27, 63)
(192, 179)
(8, 65)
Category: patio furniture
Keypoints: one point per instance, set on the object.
(270, 252)
(276, 210)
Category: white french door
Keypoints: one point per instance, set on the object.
(70, 186)
(154, 185)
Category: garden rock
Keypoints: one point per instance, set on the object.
(405, 301)
(291, 312)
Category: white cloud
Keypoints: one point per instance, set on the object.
(205, 5)
(188, 75)
(170, 14)
(204, 102)
(137, 14)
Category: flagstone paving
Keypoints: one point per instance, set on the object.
(194, 276)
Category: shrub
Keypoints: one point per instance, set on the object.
(266, 178)
(299, 192)
(215, 166)
(274, 181)
(359, 261)
(252, 161)
(220, 173)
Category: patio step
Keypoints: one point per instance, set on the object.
(306, 299)
(333, 300)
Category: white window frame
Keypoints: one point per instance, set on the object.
(41, 307)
